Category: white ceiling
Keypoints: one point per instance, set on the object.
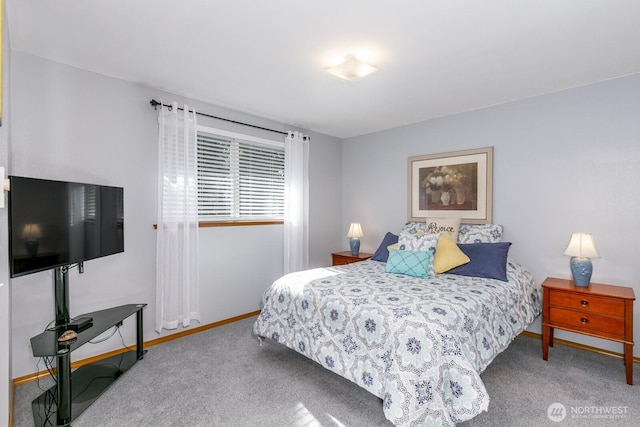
(435, 57)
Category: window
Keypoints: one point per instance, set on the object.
(239, 177)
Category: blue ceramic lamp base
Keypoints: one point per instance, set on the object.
(32, 247)
(581, 269)
(355, 246)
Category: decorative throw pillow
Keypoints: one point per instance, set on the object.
(443, 225)
(420, 242)
(448, 254)
(487, 260)
(480, 233)
(394, 246)
(382, 253)
(411, 263)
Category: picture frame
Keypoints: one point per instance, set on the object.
(457, 184)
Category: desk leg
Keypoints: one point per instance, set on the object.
(64, 387)
(139, 335)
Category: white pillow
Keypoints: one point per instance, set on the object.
(443, 225)
(480, 233)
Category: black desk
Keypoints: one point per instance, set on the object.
(60, 404)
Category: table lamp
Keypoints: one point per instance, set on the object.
(355, 233)
(581, 249)
(31, 233)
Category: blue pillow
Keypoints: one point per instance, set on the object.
(488, 260)
(382, 253)
(411, 263)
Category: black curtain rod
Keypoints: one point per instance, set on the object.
(155, 105)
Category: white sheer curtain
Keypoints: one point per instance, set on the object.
(296, 202)
(177, 290)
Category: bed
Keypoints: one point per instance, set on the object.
(419, 344)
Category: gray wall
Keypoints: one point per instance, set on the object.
(71, 124)
(563, 162)
(5, 294)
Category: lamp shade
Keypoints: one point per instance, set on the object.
(582, 245)
(31, 231)
(355, 230)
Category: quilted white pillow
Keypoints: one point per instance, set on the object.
(413, 227)
(480, 233)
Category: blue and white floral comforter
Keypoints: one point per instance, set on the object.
(418, 344)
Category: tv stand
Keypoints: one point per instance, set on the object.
(63, 402)
(75, 392)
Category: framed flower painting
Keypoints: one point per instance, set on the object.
(457, 184)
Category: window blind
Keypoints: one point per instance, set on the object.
(89, 202)
(239, 179)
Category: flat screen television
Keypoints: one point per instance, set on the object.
(58, 223)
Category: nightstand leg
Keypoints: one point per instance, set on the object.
(550, 337)
(546, 333)
(628, 362)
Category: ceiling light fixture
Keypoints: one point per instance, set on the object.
(351, 68)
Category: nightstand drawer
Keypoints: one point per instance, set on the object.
(345, 257)
(587, 303)
(588, 322)
(341, 260)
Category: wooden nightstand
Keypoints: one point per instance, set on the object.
(602, 311)
(342, 258)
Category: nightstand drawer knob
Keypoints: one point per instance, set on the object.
(584, 320)
(584, 303)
